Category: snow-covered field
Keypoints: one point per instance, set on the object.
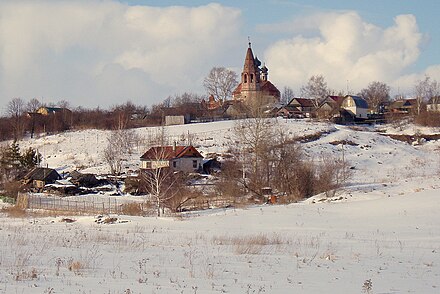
(384, 227)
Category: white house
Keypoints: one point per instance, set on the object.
(356, 106)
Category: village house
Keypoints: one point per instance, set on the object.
(40, 177)
(329, 107)
(356, 106)
(402, 106)
(297, 107)
(179, 158)
(53, 110)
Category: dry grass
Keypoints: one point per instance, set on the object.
(26, 275)
(15, 211)
(249, 244)
(75, 266)
(132, 209)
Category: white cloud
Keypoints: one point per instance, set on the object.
(104, 52)
(344, 48)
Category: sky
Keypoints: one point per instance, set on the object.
(104, 53)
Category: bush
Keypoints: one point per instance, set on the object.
(132, 209)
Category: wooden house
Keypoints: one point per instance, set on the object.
(41, 176)
(179, 158)
(53, 110)
(303, 106)
(403, 106)
(329, 107)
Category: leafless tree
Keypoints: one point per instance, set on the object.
(120, 144)
(254, 137)
(185, 99)
(160, 180)
(15, 110)
(315, 89)
(63, 104)
(376, 93)
(287, 95)
(333, 172)
(220, 82)
(424, 90)
(33, 105)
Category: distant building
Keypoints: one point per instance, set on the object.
(329, 107)
(171, 120)
(403, 106)
(356, 106)
(41, 176)
(181, 158)
(53, 110)
(255, 89)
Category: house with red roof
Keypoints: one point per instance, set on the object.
(179, 158)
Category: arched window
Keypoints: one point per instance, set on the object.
(245, 78)
(252, 78)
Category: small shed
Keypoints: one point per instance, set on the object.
(83, 180)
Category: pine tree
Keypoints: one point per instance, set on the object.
(30, 158)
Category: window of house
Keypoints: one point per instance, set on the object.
(194, 163)
(174, 164)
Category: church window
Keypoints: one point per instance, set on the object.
(252, 78)
(245, 78)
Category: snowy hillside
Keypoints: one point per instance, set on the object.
(383, 227)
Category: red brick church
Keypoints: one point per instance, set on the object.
(255, 89)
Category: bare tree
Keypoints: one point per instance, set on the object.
(63, 104)
(333, 172)
(160, 180)
(376, 94)
(120, 144)
(220, 82)
(424, 90)
(315, 89)
(287, 95)
(15, 110)
(185, 99)
(255, 136)
(33, 105)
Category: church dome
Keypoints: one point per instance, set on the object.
(256, 61)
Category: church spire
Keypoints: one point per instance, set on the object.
(250, 77)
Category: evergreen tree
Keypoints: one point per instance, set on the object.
(30, 158)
